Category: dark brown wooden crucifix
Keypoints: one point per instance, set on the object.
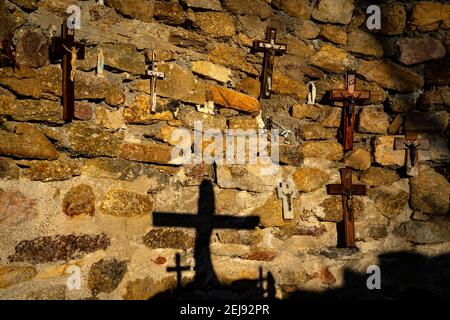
(70, 51)
(349, 96)
(347, 190)
(411, 144)
(178, 269)
(270, 49)
(204, 223)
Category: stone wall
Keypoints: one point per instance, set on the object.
(82, 193)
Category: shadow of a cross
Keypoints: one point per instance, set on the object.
(204, 223)
(178, 269)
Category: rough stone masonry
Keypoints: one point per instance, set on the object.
(82, 193)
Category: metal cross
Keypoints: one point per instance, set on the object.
(411, 144)
(350, 96)
(347, 190)
(70, 51)
(270, 49)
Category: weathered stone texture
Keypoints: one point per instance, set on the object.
(169, 238)
(23, 140)
(105, 275)
(16, 208)
(390, 75)
(79, 200)
(123, 203)
(58, 248)
(430, 192)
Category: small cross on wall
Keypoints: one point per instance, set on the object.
(411, 144)
(287, 192)
(154, 75)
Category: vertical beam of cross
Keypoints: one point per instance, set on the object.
(347, 190)
(154, 75)
(271, 49)
(411, 144)
(66, 48)
(204, 223)
(349, 96)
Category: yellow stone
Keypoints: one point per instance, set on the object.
(234, 100)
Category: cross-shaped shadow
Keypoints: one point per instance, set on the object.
(204, 223)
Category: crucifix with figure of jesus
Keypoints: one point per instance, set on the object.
(349, 96)
(271, 49)
(411, 144)
(347, 190)
(66, 48)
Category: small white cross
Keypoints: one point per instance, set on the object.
(287, 192)
(312, 93)
(154, 76)
(100, 63)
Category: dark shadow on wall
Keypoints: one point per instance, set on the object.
(404, 275)
(206, 284)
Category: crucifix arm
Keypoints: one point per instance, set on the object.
(358, 190)
(402, 143)
(342, 95)
(424, 144)
(355, 189)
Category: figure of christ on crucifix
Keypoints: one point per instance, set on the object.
(66, 48)
(411, 144)
(347, 190)
(287, 192)
(204, 223)
(349, 96)
(270, 49)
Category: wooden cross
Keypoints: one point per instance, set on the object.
(270, 49)
(178, 269)
(70, 51)
(154, 75)
(204, 223)
(287, 192)
(411, 144)
(349, 95)
(347, 190)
